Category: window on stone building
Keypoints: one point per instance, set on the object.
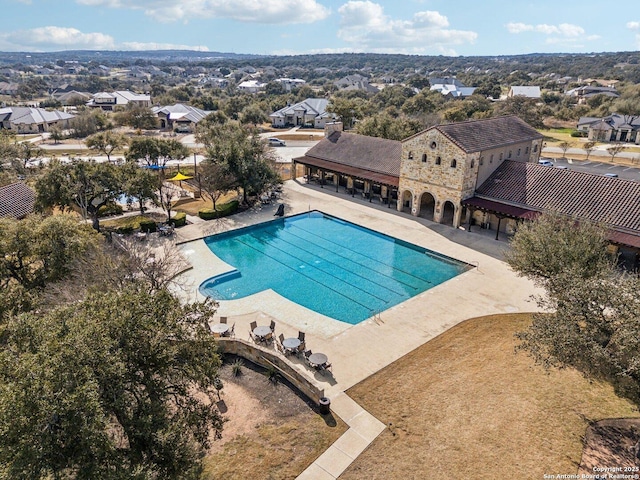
(491, 159)
(500, 156)
(509, 154)
(472, 164)
(424, 158)
(519, 150)
(433, 145)
(535, 148)
(453, 163)
(438, 161)
(481, 160)
(410, 156)
(526, 151)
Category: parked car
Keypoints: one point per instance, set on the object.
(276, 142)
(611, 175)
(545, 162)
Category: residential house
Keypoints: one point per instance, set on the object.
(72, 98)
(9, 88)
(179, 118)
(586, 92)
(290, 83)
(613, 128)
(309, 112)
(108, 101)
(32, 120)
(528, 91)
(251, 86)
(355, 82)
(17, 200)
(480, 173)
(450, 87)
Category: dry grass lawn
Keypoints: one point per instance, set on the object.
(271, 433)
(465, 406)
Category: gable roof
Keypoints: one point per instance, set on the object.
(612, 201)
(369, 158)
(182, 112)
(613, 121)
(16, 200)
(32, 116)
(317, 106)
(485, 134)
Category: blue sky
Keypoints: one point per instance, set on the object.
(423, 27)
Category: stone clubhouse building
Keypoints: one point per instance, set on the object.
(482, 173)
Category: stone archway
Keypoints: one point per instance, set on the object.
(406, 203)
(448, 213)
(427, 206)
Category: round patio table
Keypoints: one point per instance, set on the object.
(317, 359)
(220, 328)
(261, 331)
(291, 344)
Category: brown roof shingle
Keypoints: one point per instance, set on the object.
(359, 151)
(613, 201)
(488, 133)
(16, 200)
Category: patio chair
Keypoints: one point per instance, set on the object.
(326, 366)
(301, 336)
(253, 337)
(253, 325)
(232, 332)
(307, 354)
(280, 348)
(268, 337)
(301, 348)
(272, 326)
(223, 319)
(281, 338)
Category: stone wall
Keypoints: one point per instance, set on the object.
(267, 358)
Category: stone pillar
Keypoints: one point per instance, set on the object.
(437, 212)
(457, 216)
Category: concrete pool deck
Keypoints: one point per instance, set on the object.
(357, 351)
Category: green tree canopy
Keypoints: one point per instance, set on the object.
(87, 185)
(106, 142)
(591, 318)
(116, 386)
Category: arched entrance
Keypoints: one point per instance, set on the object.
(407, 201)
(427, 206)
(448, 213)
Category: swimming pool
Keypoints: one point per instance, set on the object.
(336, 268)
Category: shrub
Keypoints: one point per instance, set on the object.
(147, 226)
(128, 230)
(223, 210)
(109, 209)
(236, 367)
(578, 134)
(179, 219)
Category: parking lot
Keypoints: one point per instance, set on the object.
(598, 168)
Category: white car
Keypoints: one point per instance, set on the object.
(276, 142)
(546, 163)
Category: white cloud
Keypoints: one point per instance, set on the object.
(252, 11)
(633, 25)
(566, 34)
(563, 29)
(365, 26)
(52, 38)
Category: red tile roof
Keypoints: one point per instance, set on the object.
(359, 151)
(488, 133)
(16, 200)
(612, 201)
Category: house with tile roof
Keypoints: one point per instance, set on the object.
(180, 118)
(32, 120)
(309, 112)
(16, 200)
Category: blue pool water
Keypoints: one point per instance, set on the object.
(328, 265)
